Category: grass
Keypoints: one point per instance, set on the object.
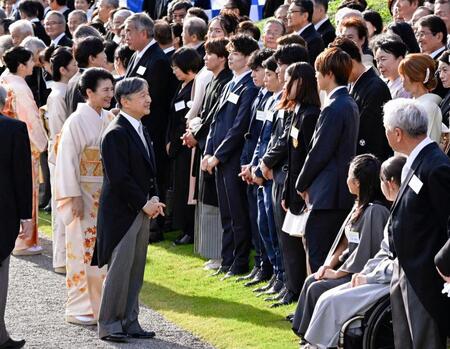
(223, 313)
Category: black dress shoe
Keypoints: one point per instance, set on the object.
(266, 287)
(12, 344)
(222, 270)
(259, 277)
(234, 272)
(278, 296)
(143, 334)
(252, 274)
(276, 287)
(290, 317)
(184, 240)
(289, 297)
(115, 337)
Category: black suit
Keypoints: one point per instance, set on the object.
(39, 32)
(442, 259)
(65, 41)
(324, 174)
(327, 31)
(314, 42)
(445, 109)
(73, 95)
(370, 94)
(129, 179)
(417, 231)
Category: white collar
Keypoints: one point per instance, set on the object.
(196, 46)
(411, 157)
(237, 78)
(303, 29)
(63, 9)
(322, 21)
(134, 122)
(34, 20)
(276, 95)
(56, 40)
(327, 100)
(141, 53)
(435, 53)
(169, 49)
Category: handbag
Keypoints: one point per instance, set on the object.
(295, 225)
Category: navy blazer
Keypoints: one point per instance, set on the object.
(129, 173)
(324, 174)
(226, 134)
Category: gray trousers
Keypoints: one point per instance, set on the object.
(4, 279)
(414, 328)
(119, 308)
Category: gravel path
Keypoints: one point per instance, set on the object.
(35, 312)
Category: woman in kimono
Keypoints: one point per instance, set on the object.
(64, 67)
(78, 181)
(21, 105)
(418, 71)
(357, 241)
(339, 304)
(186, 63)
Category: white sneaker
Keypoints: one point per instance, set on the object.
(31, 251)
(213, 264)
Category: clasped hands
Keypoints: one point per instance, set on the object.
(188, 139)
(326, 272)
(209, 162)
(153, 208)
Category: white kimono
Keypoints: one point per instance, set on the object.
(430, 103)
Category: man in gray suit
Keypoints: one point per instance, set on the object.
(16, 203)
(128, 199)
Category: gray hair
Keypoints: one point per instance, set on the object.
(142, 22)
(112, 3)
(123, 13)
(81, 14)
(5, 44)
(24, 26)
(406, 114)
(33, 44)
(275, 21)
(129, 86)
(195, 26)
(85, 30)
(3, 94)
(61, 18)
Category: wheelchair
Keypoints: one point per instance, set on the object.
(372, 330)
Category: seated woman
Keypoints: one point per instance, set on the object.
(356, 242)
(339, 304)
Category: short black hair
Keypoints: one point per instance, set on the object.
(306, 6)
(323, 3)
(270, 64)
(187, 60)
(199, 12)
(110, 48)
(87, 47)
(436, 25)
(375, 19)
(249, 28)
(392, 44)
(180, 5)
(291, 53)
(31, 8)
(61, 58)
(242, 5)
(347, 46)
(217, 46)
(124, 54)
(90, 79)
(359, 5)
(406, 33)
(258, 57)
(243, 44)
(16, 56)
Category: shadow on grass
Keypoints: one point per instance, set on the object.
(161, 298)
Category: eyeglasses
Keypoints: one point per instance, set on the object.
(295, 11)
(423, 34)
(50, 24)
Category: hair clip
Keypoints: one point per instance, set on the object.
(427, 76)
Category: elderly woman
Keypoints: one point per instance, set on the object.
(21, 105)
(78, 181)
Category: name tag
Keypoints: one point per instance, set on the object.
(180, 105)
(269, 115)
(260, 115)
(353, 237)
(233, 98)
(280, 114)
(415, 184)
(141, 70)
(294, 132)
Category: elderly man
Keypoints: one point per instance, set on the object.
(76, 18)
(417, 229)
(20, 30)
(118, 20)
(15, 208)
(55, 26)
(273, 29)
(129, 187)
(194, 32)
(105, 7)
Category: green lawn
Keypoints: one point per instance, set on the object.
(225, 314)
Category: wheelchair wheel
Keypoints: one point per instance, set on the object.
(379, 333)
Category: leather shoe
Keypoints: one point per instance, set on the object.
(290, 317)
(184, 240)
(48, 208)
(143, 334)
(289, 297)
(276, 288)
(232, 272)
(115, 337)
(278, 296)
(252, 274)
(12, 344)
(222, 270)
(266, 287)
(259, 277)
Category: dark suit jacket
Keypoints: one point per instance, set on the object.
(370, 94)
(324, 173)
(39, 32)
(38, 86)
(327, 31)
(419, 228)
(313, 41)
(270, 6)
(305, 122)
(445, 109)
(65, 41)
(15, 181)
(73, 94)
(442, 259)
(129, 180)
(226, 135)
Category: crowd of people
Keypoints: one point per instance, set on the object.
(319, 142)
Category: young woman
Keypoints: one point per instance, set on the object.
(63, 67)
(186, 63)
(444, 75)
(78, 182)
(20, 104)
(339, 304)
(417, 72)
(357, 241)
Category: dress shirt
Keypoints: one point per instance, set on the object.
(410, 159)
(169, 49)
(237, 78)
(435, 54)
(137, 125)
(318, 24)
(56, 40)
(328, 98)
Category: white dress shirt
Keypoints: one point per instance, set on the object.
(56, 40)
(410, 159)
(137, 125)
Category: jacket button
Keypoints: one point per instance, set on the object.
(248, 135)
(362, 142)
(285, 168)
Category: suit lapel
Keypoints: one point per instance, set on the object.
(236, 89)
(135, 137)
